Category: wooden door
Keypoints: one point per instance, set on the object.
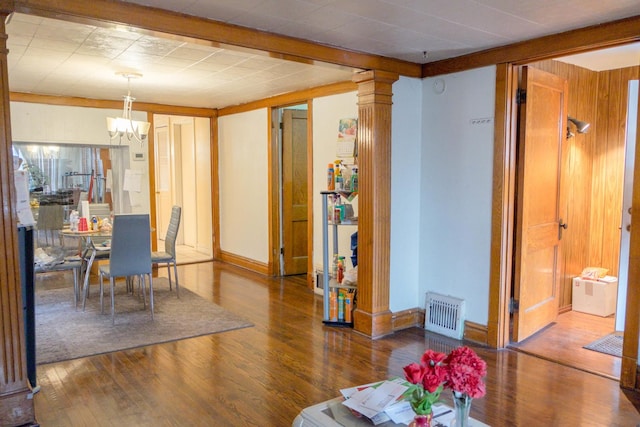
(543, 123)
(294, 191)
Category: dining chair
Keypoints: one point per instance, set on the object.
(53, 256)
(169, 254)
(130, 256)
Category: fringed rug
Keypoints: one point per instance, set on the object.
(64, 332)
(609, 344)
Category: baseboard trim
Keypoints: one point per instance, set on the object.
(476, 332)
(240, 261)
(413, 317)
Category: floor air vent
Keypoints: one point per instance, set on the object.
(444, 315)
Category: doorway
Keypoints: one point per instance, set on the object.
(183, 178)
(593, 171)
(293, 155)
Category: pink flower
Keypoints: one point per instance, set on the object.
(466, 371)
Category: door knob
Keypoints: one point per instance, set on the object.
(561, 226)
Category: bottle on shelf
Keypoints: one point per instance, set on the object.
(354, 179)
(333, 305)
(340, 305)
(348, 306)
(346, 178)
(331, 185)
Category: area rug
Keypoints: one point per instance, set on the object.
(609, 344)
(64, 332)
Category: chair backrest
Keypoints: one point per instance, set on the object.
(50, 221)
(172, 231)
(50, 217)
(130, 245)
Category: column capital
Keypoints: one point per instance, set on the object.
(375, 75)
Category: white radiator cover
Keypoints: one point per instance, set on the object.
(444, 315)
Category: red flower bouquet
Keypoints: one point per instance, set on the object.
(461, 371)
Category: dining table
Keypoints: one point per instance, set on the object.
(89, 250)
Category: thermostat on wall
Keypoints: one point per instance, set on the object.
(138, 156)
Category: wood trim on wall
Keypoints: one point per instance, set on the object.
(503, 205)
(215, 188)
(410, 318)
(293, 98)
(570, 42)
(273, 189)
(310, 197)
(153, 20)
(73, 101)
(151, 155)
(476, 332)
(240, 261)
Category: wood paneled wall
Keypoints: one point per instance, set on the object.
(594, 168)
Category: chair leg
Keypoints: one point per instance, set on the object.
(142, 285)
(175, 274)
(151, 294)
(169, 274)
(113, 302)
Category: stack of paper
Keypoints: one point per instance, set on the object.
(382, 401)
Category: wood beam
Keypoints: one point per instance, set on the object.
(16, 403)
(213, 32)
(372, 316)
(570, 42)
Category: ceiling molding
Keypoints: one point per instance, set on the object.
(291, 98)
(114, 105)
(613, 33)
(112, 12)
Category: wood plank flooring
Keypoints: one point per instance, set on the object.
(563, 342)
(264, 375)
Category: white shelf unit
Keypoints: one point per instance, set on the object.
(329, 282)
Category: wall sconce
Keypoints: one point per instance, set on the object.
(581, 127)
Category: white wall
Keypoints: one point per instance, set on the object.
(406, 127)
(327, 112)
(456, 188)
(57, 124)
(243, 174)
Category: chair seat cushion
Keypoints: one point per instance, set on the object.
(161, 257)
(66, 265)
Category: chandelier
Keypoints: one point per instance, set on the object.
(119, 127)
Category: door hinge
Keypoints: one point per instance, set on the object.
(521, 96)
(281, 125)
(514, 305)
(281, 251)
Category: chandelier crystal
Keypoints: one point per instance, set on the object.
(125, 126)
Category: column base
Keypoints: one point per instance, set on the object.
(373, 325)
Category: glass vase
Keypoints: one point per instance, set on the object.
(421, 420)
(461, 406)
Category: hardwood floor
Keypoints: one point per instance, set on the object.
(264, 375)
(563, 342)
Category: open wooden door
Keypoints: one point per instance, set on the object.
(543, 124)
(294, 191)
